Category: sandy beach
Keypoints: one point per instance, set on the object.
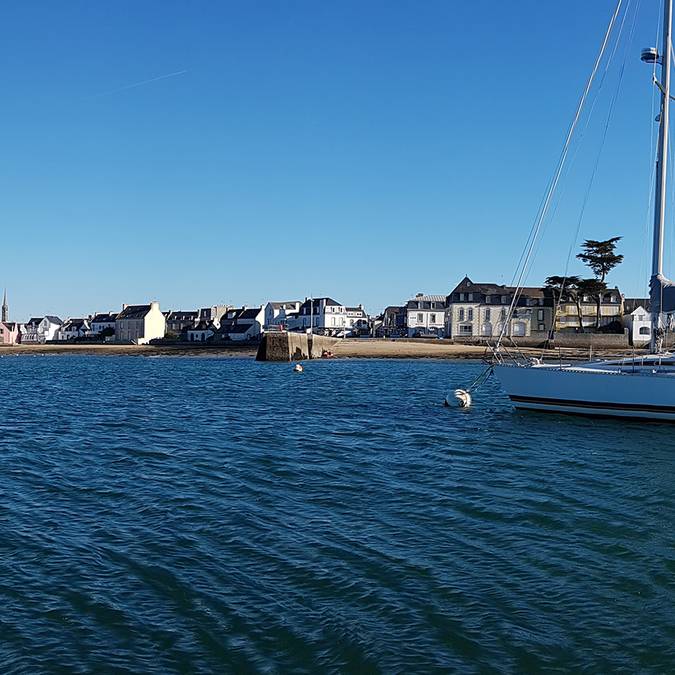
(349, 348)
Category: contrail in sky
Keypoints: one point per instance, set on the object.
(141, 83)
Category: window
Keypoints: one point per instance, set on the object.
(470, 297)
(488, 299)
(461, 315)
(503, 313)
(432, 318)
(462, 297)
(465, 330)
(541, 327)
(487, 314)
(540, 314)
(470, 314)
(503, 299)
(420, 318)
(644, 330)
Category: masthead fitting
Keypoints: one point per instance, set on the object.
(650, 55)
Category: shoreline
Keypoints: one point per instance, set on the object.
(342, 349)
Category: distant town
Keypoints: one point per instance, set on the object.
(471, 312)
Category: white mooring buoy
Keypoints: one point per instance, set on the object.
(463, 397)
(298, 368)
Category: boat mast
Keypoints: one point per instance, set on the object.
(661, 179)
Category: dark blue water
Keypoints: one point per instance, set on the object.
(220, 515)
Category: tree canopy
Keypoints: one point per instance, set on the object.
(600, 256)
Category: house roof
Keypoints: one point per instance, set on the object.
(104, 318)
(631, 304)
(425, 301)
(430, 298)
(180, 315)
(54, 319)
(317, 302)
(35, 319)
(285, 304)
(203, 325)
(249, 313)
(486, 288)
(74, 324)
(133, 312)
(239, 328)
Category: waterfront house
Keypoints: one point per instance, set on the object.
(425, 315)
(479, 310)
(248, 325)
(72, 329)
(611, 311)
(241, 324)
(202, 332)
(10, 333)
(394, 321)
(321, 315)
(213, 314)
(178, 321)
(103, 323)
(41, 329)
(638, 321)
(138, 324)
(357, 320)
(277, 314)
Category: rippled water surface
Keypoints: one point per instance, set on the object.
(221, 515)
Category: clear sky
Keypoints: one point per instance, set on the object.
(365, 150)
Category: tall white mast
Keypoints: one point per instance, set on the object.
(661, 174)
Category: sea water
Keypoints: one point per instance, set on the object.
(222, 515)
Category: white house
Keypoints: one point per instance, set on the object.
(202, 332)
(357, 319)
(426, 315)
(277, 314)
(323, 315)
(242, 324)
(41, 330)
(638, 322)
(73, 328)
(140, 323)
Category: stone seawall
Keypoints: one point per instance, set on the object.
(293, 346)
(597, 340)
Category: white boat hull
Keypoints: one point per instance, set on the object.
(583, 391)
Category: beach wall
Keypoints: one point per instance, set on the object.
(293, 346)
(586, 340)
(319, 343)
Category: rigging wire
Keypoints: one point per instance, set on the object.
(534, 233)
(610, 113)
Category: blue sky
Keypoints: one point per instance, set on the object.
(363, 150)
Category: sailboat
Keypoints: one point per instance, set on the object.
(642, 387)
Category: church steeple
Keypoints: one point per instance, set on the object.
(5, 307)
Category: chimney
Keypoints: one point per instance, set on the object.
(154, 305)
(124, 306)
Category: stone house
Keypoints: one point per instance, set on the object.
(138, 324)
(480, 310)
